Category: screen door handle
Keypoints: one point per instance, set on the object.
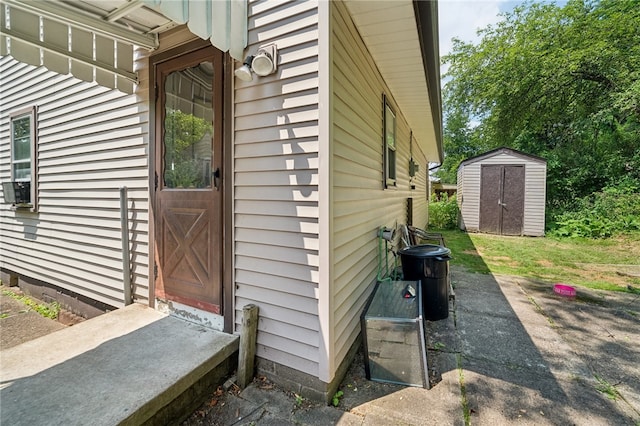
(216, 178)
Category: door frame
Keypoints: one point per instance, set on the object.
(228, 307)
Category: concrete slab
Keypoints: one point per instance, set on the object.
(511, 349)
(412, 405)
(325, 416)
(557, 353)
(119, 368)
(603, 330)
(471, 281)
(499, 394)
(484, 296)
(519, 367)
(442, 335)
(500, 339)
(502, 353)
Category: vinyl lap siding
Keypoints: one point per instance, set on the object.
(92, 141)
(361, 206)
(276, 186)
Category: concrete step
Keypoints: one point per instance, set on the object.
(134, 365)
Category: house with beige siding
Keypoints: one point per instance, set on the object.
(248, 181)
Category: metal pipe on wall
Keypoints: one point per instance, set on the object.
(124, 226)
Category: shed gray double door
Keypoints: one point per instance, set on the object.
(502, 199)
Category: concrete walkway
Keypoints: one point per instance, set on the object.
(529, 356)
(511, 352)
(129, 366)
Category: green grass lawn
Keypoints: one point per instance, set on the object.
(610, 264)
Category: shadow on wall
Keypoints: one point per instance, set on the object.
(300, 174)
(29, 223)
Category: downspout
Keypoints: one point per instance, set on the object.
(124, 227)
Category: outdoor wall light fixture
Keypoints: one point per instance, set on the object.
(262, 63)
(244, 72)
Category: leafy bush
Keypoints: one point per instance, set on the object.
(443, 212)
(615, 210)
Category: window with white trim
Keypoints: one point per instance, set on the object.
(24, 157)
(389, 144)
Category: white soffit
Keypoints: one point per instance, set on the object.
(94, 40)
(389, 30)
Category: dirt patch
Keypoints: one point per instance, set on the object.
(620, 275)
(546, 263)
(471, 252)
(505, 260)
(499, 258)
(23, 299)
(625, 270)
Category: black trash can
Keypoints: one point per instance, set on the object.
(429, 263)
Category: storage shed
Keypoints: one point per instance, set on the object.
(503, 192)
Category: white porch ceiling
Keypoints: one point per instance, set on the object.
(390, 32)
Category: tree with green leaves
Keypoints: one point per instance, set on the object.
(182, 133)
(560, 82)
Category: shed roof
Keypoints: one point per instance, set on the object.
(502, 150)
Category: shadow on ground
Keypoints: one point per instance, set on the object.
(511, 351)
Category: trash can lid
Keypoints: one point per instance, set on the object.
(425, 250)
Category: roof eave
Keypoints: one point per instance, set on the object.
(402, 38)
(427, 24)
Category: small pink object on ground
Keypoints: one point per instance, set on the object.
(564, 290)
